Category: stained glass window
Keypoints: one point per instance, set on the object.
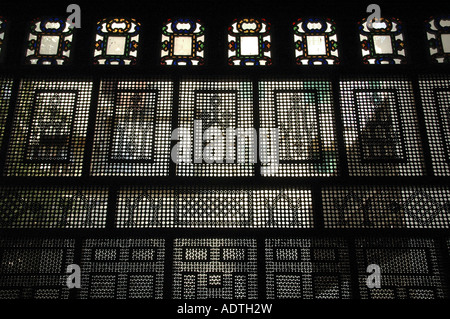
(49, 42)
(382, 43)
(117, 41)
(2, 33)
(315, 42)
(182, 42)
(438, 35)
(249, 42)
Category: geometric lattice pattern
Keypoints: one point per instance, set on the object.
(409, 268)
(386, 207)
(303, 114)
(211, 109)
(307, 269)
(380, 128)
(213, 208)
(35, 268)
(133, 129)
(5, 96)
(215, 268)
(122, 269)
(435, 93)
(53, 207)
(49, 132)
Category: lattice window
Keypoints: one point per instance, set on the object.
(5, 96)
(122, 269)
(382, 41)
(214, 208)
(315, 42)
(183, 42)
(381, 128)
(215, 268)
(438, 35)
(386, 207)
(35, 268)
(53, 207)
(249, 42)
(117, 41)
(304, 268)
(49, 42)
(303, 114)
(410, 268)
(208, 109)
(3, 25)
(49, 131)
(435, 92)
(133, 128)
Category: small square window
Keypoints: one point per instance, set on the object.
(183, 45)
(116, 45)
(49, 45)
(316, 45)
(445, 37)
(383, 44)
(249, 46)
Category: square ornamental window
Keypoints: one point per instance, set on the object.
(182, 42)
(49, 42)
(382, 41)
(3, 25)
(315, 42)
(438, 36)
(117, 41)
(249, 42)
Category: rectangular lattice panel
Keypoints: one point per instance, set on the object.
(133, 129)
(215, 268)
(217, 107)
(409, 268)
(380, 128)
(435, 92)
(302, 111)
(49, 131)
(53, 207)
(214, 208)
(35, 268)
(386, 207)
(5, 96)
(122, 269)
(303, 268)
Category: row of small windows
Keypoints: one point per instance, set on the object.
(249, 41)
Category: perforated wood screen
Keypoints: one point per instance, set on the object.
(187, 152)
